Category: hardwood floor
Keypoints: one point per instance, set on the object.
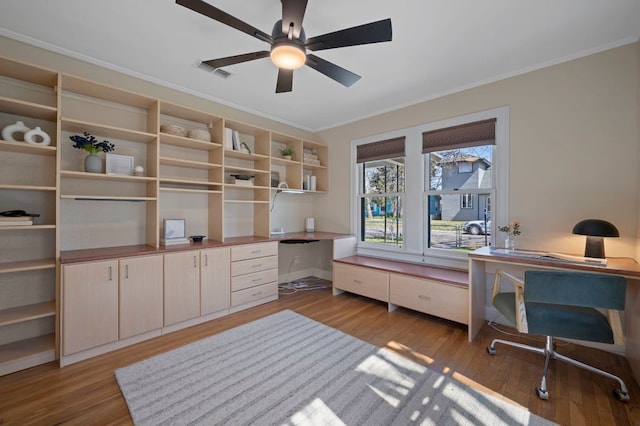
(86, 393)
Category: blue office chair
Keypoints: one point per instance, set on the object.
(563, 304)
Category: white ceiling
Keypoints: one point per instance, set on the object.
(438, 47)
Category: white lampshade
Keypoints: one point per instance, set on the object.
(288, 56)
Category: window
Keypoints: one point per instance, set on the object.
(466, 201)
(381, 192)
(415, 189)
(445, 151)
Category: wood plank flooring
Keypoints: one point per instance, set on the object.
(86, 393)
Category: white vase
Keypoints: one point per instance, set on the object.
(93, 164)
(510, 244)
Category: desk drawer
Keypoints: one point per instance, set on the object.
(252, 251)
(251, 280)
(364, 281)
(254, 265)
(431, 297)
(252, 294)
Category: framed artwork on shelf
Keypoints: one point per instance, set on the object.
(174, 229)
(119, 165)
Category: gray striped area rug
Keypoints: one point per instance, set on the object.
(286, 369)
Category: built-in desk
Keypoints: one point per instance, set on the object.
(484, 261)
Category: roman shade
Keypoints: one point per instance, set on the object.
(381, 150)
(463, 136)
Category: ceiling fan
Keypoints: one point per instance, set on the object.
(289, 44)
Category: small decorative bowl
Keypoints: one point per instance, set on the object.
(172, 129)
(197, 238)
(201, 135)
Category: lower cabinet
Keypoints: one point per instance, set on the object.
(140, 308)
(361, 280)
(181, 286)
(89, 305)
(254, 274)
(215, 280)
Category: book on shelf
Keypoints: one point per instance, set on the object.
(174, 241)
(16, 222)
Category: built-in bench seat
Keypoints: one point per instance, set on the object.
(436, 291)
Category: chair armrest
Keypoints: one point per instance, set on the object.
(613, 317)
(520, 308)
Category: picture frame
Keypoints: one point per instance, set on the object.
(119, 165)
(174, 228)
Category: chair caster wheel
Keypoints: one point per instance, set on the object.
(542, 394)
(620, 395)
(491, 351)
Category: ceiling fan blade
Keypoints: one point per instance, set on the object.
(285, 81)
(214, 13)
(339, 74)
(373, 32)
(230, 60)
(293, 13)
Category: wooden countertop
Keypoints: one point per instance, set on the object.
(89, 255)
(627, 267)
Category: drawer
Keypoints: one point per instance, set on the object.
(251, 280)
(252, 294)
(364, 281)
(248, 266)
(431, 297)
(251, 251)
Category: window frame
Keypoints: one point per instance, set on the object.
(415, 228)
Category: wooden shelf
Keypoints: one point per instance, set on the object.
(27, 265)
(27, 353)
(104, 131)
(188, 163)
(27, 109)
(26, 227)
(28, 187)
(101, 176)
(246, 202)
(244, 156)
(27, 72)
(105, 92)
(93, 197)
(27, 313)
(190, 143)
(191, 190)
(27, 148)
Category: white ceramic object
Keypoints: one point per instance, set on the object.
(138, 171)
(9, 131)
(37, 137)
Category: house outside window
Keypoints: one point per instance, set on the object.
(466, 201)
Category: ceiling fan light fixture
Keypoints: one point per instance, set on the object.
(288, 56)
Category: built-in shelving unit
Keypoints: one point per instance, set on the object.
(185, 176)
(28, 252)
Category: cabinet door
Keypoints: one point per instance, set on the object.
(140, 295)
(181, 286)
(215, 280)
(90, 305)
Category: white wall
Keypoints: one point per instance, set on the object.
(573, 148)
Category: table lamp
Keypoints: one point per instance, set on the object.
(595, 229)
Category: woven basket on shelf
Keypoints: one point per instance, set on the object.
(172, 129)
(201, 135)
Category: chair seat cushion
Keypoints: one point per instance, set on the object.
(572, 322)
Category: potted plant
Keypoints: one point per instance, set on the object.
(287, 153)
(512, 230)
(88, 142)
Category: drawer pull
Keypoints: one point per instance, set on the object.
(256, 251)
(256, 280)
(256, 294)
(357, 281)
(257, 265)
(110, 273)
(126, 271)
(424, 297)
